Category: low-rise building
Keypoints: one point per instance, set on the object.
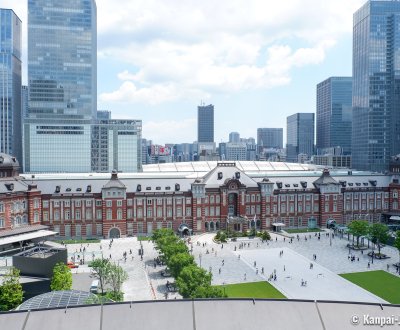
(202, 196)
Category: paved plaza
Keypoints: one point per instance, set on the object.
(233, 262)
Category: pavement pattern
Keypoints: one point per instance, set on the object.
(233, 262)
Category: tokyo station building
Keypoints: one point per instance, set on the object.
(196, 197)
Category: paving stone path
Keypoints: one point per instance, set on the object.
(146, 282)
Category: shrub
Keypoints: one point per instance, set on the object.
(265, 236)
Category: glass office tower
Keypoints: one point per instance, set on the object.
(334, 114)
(376, 85)
(62, 85)
(10, 84)
(270, 137)
(300, 136)
(205, 123)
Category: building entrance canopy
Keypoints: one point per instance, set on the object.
(27, 237)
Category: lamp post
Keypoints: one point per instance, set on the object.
(223, 284)
(200, 259)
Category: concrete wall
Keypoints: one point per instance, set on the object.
(40, 267)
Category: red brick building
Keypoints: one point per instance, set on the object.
(202, 196)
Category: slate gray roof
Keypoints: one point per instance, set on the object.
(325, 179)
(22, 230)
(244, 314)
(160, 178)
(9, 185)
(8, 160)
(114, 182)
(212, 180)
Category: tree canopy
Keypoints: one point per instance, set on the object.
(101, 269)
(358, 228)
(62, 278)
(191, 280)
(179, 261)
(379, 234)
(11, 293)
(116, 277)
(396, 243)
(109, 273)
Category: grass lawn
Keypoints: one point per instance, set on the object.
(378, 282)
(144, 238)
(80, 241)
(302, 230)
(252, 290)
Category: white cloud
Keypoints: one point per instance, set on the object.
(192, 77)
(170, 131)
(182, 49)
(189, 49)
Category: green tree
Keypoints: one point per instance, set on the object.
(358, 228)
(253, 232)
(222, 237)
(190, 279)
(11, 293)
(62, 278)
(379, 234)
(101, 270)
(116, 277)
(265, 236)
(179, 261)
(396, 243)
(173, 249)
(160, 233)
(208, 291)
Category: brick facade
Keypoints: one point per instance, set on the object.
(117, 209)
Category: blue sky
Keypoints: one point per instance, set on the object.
(257, 61)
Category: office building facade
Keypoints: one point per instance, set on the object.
(376, 85)
(62, 59)
(10, 84)
(270, 138)
(334, 114)
(300, 136)
(116, 145)
(234, 137)
(205, 123)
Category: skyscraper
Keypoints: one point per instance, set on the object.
(62, 85)
(376, 85)
(205, 123)
(270, 138)
(334, 99)
(234, 137)
(10, 84)
(300, 136)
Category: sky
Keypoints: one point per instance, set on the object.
(256, 61)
